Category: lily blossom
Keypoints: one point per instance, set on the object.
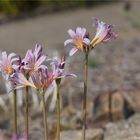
(104, 32)
(58, 66)
(42, 79)
(34, 59)
(8, 63)
(58, 69)
(54, 77)
(18, 80)
(79, 40)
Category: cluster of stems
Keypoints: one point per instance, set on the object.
(42, 78)
(58, 108)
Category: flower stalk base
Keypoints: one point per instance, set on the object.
(85, 96)
(15, 111)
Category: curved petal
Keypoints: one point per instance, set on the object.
(110, 36)
(15, 60)
(71, 33)
(86, 41)
(27, 55)
(78, 30)
(11, 55)
(73, 51)
(83, 32)
(68, 41)
(38, 50)
(66, 75)
(40, 60)
(4, 55)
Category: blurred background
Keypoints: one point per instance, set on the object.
(114, 67)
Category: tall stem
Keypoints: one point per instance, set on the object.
(45, 119)
(27, 112)
(58, 111)
(85, 96)
(110, 107)
(15, 111)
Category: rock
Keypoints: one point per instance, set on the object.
(101, 109)
(124, 103)
(91, 134)
(4, 123)
(71, 119)
(132, 97)
(124, 130)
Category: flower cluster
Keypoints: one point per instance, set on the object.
(38, 71)
(32, 69)
(80, 38)
(8, 63)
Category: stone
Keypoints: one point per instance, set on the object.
(71, 119)
(101, 107)
(91, 134)
(124, 130)
(124, 103)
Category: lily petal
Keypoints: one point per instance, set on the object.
(68, 41)
(11, 55)
(86, 41)
(71, 33)
(73, 51)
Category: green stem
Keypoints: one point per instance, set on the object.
(58, 111)
(110, 107)
(27, 112)
(45, 118)
(15, 111)
(85, 96)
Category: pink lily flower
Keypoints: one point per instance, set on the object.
(42, 80)
(8, 63)
(18, 80)
(79, 40)
(34, 59)
(58, 69)
(104, 32)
